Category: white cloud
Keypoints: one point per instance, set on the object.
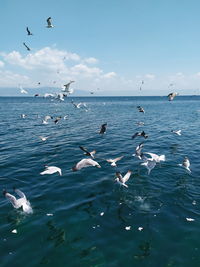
(110, 75)
(1, 64)
(84, 70)
(150, 76)
(91, 60)
(11, 79)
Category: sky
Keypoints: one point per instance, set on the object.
(108, 47)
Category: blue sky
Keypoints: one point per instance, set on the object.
(112, 45)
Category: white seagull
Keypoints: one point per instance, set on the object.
(149, 164)
(22, 90)
(51, 170)
(21, 202)
(66, 88)
(113, 161)
(123, 179)
(186, 164)
(49, 25)
(178, 132)
(138, 151)
(85, 163)
(155, 157)
(43, 138)
(46, 118)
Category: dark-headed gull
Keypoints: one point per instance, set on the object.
(123, 179)
(51, 170)
(143, 134)
(87, 153)
(171, 96)
(103, 128)
(178, 132)
(28, 32)
(21, 202)
(85, 163)
(49, 25)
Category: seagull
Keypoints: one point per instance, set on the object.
(46, 118)
(22, 90)
(85, 163)
(27, 47)
(122, 180)
(29, 33)
(140, 134)
(21, 202)
(65, 117)
(36, 95)
(43, 138)
(57, 119)
(49, 25)
(140, 123)
(178, 132)
(186, 164)
(155, 157)
(103, 128)
(140, 109)
(149, 164)
(113, 161)
(51, 170)
(87, 153)
(48, 95)
(171, 96)
(138, 151)
(66, 89)
(23, 116)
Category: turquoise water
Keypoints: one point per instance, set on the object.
(90, 211)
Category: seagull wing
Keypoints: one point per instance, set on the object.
(117, 159)
(20, 193)
(126, 177)
(136, 134)
(152, 155)
(12, 199)
(49, 21)
(85, 150)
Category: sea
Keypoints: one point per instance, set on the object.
(86, 218)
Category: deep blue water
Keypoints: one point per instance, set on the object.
(77, 234)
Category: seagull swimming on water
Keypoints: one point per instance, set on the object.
(186, 164)
(49, 25)
(123, 179)
(140, 109)
(43, 138)
(21, 202)
(51, 170)
(87, 153)
(178, 132)
(27, 47)
(28, 32)
(85, 163)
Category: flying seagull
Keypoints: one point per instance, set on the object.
(113, 161)
(49, 25)
(178, 132)
(138, 151)
(21, 202)
(22, 90)
(28, 32)
(87, 153)
(143, 134)
(123, 179)
(186, 164)
(57, 119)
(171, 96)
(149, 164)
(46, 118)
(103, 128)
(66, 87)
(155, 157)
(85, 163)
(27, 47)
(51, 170)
